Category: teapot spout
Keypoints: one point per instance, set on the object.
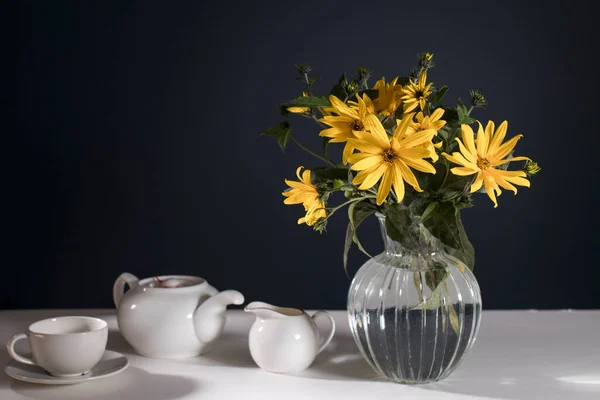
(209, 317)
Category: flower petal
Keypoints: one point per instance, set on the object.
(348, 151)
(417, 138)
(384, 186)
(490, 185)
(500, 162)
(378, 133)
(402, 125)
(341, 108)
(482, 142)
(436, 115)
(418, 164)
(478, 182)
(398, 182)
(472, 157)
(367, 162)
(463, 171)
(504, 149)
(468, 138)
(373, 177)
(458, 158)
(498, 137)
(365, 146)
(408, 175)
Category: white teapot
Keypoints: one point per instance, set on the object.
(171, 316)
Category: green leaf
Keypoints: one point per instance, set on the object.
(435, 275)
(467, 252)
(340, 90)
(372, 93)
(403, 80)
(308, 101)
(282, 138)
(440, 94)
(453, 316)
(429, 210)
(274, 130)
(450, 115)
(463, 113)
(322, 175)
(446, 225)
(326, 146)
(401, 226)
(282, 132)
(357, 213)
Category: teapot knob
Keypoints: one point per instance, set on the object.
(172, 283)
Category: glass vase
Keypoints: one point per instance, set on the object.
(414, 314)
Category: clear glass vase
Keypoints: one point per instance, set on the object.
(414, 314)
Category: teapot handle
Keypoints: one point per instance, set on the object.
(331, 331)
(119, 286)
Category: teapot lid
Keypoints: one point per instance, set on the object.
(171, 281)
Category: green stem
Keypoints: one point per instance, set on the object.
(322, 125)
(469, 112)
(312, 152)
(446, 176)
(333, 210)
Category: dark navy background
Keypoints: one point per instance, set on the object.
(133, 143)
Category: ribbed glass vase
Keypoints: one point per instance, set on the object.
(414, 314)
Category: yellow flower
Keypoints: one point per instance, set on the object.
(415, 94)
(305, 193)
(389, 96)
(483, 155)
(347, 120)
(428, 122)
(389, 158)
(299, 110)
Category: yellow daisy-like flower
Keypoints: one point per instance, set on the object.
(389, 159)
(299, 110)
(305, 193)
(348, 120)
(432, 121)
(481, 156)
(415, 94)
(389, 97)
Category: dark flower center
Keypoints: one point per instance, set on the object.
(419, 94)
(483, 164)
(389, 156)
(357, 125)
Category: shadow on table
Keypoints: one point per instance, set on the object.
(516, 375)
(229, 350)
(340, 360)
(116, 342)
(131, 383)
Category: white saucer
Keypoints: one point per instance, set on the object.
(110, 364)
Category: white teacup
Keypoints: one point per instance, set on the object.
(64, 346)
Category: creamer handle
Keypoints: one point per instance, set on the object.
(119, 286)
(331, 331)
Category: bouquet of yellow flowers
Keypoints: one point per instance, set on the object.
(407, 156)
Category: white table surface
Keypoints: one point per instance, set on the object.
(517, 355)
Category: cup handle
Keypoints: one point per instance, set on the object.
(331, 331)
(119, 286)
(10, 347)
